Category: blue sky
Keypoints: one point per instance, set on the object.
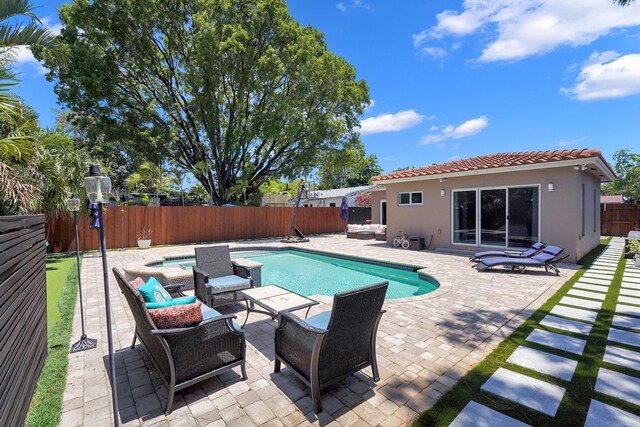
(454, 79)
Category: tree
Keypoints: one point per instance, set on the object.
(277, 186)
(623, 2)
(150, 178)
(234, 91)
(404, 168)
(627, 167)
(347, 167)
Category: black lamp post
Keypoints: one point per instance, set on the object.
(98, 187)
(84, 343)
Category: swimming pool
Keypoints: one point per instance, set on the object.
(314, 274)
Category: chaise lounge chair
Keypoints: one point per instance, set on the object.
(547, 259)
(533, 250)
(329, 346)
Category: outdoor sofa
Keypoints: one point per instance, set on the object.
(186, 356)
(533, 250)
(546, 259)
(216, 278)
(329, 346)
(378, 231)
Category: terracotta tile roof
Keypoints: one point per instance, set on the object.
(494, 161)
(612, 199)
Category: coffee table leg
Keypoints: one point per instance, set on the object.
(246, 302)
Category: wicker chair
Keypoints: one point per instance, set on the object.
(327, 347)
(186, 356)
(216, 278)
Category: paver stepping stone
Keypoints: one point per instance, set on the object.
(567, 325)
(598, 275)
(626, 322)
(630, 292)
(475, 414)
(600, 414)
(530, 392)
(624, 337)
(630, 279)
(622, 357)
(543, 362)
(628, 309)
(594, 280)
(557, 341)
(589, 286)
(630, 285)
(618, 385)
(586, 294)
(628, 300)
(579, 302)
(574, 313)
(631, 272)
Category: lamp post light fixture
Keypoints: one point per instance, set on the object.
(84, 343)
(98, 187)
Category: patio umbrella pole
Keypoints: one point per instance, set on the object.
(107, 301)
(84, 343)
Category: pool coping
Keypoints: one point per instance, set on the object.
(175, 275)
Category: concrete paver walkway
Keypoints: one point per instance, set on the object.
(425, 344)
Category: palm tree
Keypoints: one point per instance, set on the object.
(149, 178)
(623, 2)
(176, 177)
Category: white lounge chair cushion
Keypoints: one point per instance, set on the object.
(320, 321)
(227, 284)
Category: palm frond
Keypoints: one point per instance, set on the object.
(33, 34)
(18, 196)
(12, 8)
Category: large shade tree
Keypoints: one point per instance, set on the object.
(234, 91)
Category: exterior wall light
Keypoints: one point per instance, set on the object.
(550, 186)
(442, 192)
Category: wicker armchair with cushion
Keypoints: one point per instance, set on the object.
(329, 346)
(216, 278)
(187, 355)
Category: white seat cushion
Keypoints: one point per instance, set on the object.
(320, 321)
(227, 284)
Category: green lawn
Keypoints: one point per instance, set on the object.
(58, 268)
(573, 409)
(62, 286)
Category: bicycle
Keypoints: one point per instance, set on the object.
(401, 239)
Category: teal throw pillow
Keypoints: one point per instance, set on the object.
(152, 291)
(175, 301)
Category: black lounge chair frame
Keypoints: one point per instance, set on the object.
(322, 357)
(186, 356)
(535, 249)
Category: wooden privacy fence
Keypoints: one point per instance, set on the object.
(23, 314)
(190, 224)
(618, 220)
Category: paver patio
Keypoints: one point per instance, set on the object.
(425, 344)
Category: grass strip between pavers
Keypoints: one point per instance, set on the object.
(575, 404)
(47, 399)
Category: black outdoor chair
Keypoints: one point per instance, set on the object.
(546, 259)
(216, 278)
(327, 347)
(186, 356)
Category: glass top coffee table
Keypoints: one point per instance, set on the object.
(274, 299)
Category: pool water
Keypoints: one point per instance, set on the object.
(312, 274)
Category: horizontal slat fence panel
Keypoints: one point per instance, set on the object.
(618, 220)
(172, 225)
(23, 313)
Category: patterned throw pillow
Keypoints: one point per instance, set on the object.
(174, 301)
(139, 281)
(152, 291)
(178, 316)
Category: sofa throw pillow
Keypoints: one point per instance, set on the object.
(178, 316)
(137, 282)
(152, 291)
(171, 303)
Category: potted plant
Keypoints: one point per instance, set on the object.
(634, 248)
(144, 238)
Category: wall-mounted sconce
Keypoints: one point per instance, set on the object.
(443, 179)
(442, 192)
(550, 186)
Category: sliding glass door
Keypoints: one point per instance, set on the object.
(464, 217)
(508, 217)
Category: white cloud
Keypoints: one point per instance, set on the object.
(570, 142)
(341, 7)
(390, 122)
(468, 128)
(23, 55)
(607, 76)
(434, 52)
(355, 4)
(368, 107)
(530, 27)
